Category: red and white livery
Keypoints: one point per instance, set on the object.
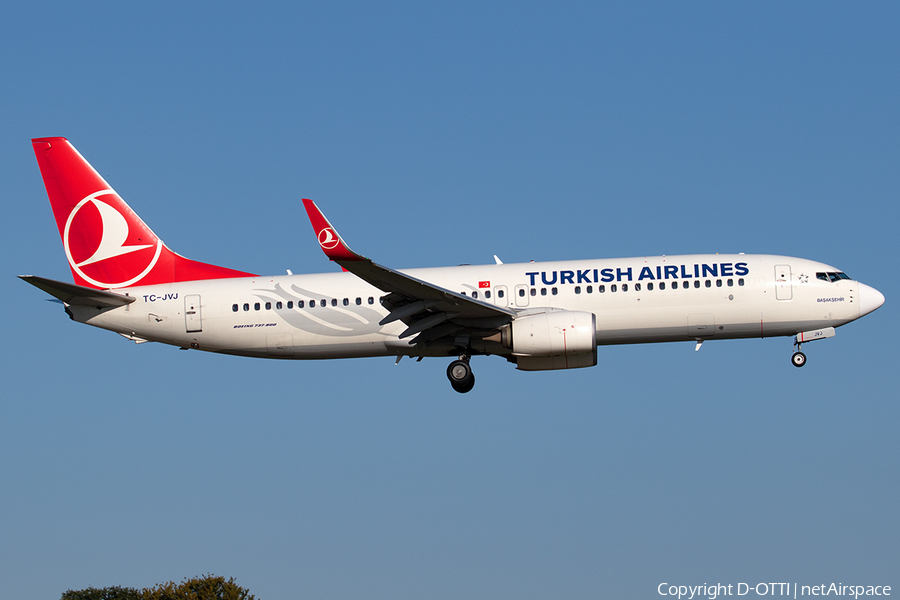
(539, 316)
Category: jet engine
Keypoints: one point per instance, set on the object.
(555, 339)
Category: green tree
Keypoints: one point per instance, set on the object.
(198, 588)
(209, 587)
(110, 593)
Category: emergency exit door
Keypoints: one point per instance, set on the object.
(192, 319)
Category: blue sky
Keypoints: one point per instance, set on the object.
(439, 135)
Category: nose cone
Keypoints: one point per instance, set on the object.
(869, 299)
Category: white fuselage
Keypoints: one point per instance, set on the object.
(635, 300)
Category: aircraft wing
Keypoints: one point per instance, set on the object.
(77, 294)
(427, 309)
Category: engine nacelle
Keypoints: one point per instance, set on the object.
(556, 339)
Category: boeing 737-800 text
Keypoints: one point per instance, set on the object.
(539, 316)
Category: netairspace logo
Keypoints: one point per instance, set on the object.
(713, 591)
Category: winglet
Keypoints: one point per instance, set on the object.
(331, 242)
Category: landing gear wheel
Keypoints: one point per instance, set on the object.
(465, 387)
(460, 375)
(798, 359)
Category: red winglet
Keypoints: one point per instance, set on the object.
(331, 242)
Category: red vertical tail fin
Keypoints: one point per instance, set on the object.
(106, 243)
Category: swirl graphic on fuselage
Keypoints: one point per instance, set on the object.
(328, 320)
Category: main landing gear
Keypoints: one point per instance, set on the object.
(460, 375)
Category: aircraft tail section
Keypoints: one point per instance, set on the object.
(107, 245)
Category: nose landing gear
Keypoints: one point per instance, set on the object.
(798, 359)
(460, 375)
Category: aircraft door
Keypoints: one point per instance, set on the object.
(192, 318)
(783, 289)
(522, 295)
(501, 295)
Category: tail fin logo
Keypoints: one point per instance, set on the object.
(328, 239)
(96, 240)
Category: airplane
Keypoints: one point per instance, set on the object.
(536, 315)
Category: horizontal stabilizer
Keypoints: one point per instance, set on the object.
(77, 294)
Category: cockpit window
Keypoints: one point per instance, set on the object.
(832, 276)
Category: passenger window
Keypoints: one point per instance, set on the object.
(731, 283)
(268, 306)
(278, 305)
(246, 306)
(234, 307)
(487, 294)
(334, 301)
(256, 306)
(475, 295)
(696, 283)
(543, 291)
(534, 291)
(346, 301)
(662, 285)
(590, 289)
(359, 301)
(637, 287)
(708, 283)
(371, 300)
(500, 293)
(522, 293)
(624, 287)
(601, 289)
(577, 289)
(650, 286)
(322, 302)
(613, 288)
(718, 283)
(553, 291)
(741, 282)
(291, 304)
(685, 284)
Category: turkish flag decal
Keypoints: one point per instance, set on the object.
(484, 284)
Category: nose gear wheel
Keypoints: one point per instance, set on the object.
(798, 359)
